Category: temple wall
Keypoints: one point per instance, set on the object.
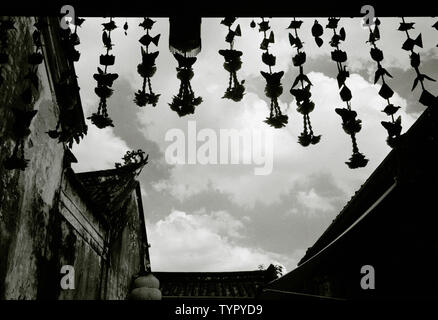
(124, 254)
(46, 221)
(26, 197)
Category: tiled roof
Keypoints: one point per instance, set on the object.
(109, 189)
(396, 165)
(237, 284)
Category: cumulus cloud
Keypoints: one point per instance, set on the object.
(230, 219)
(205, 242)
(288, 156)
(99, 150)
(312, 200)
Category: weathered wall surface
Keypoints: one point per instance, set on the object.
(125, 254)
(81, 244)
(26, 197)
(45, 220)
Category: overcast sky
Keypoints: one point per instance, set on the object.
(223, 217)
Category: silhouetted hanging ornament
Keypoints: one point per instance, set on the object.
(125, 27)
(233, 62)
(350, 124)
(5, 27)
(317, 32)
(67, 89)
(104, 79)
(67, 96)
(147, 68)
(71, 39)
(185, 101)
(302, 95)
(426, 97)
(393, 127)
(185, 44)
(17, 159)
(435, 25)
(273, 88)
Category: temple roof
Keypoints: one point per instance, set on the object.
(235, 284)
(400, 164)
(108, 189)
(377, 205)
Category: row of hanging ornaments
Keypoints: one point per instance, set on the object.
(185, 44)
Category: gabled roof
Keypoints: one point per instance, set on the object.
(106, 191)
(235, 284)
(109, 189)
(398, 165)
(410, 164)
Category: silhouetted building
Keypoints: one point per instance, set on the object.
(389, 224)
(49, 215)
(214, 285)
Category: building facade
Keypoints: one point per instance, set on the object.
(50, 216)
(383, 244)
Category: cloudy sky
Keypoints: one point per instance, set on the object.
(224, 217)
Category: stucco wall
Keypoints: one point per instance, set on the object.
(26, 197)
(125, 254)
(45, 220)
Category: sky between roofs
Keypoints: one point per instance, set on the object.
(223, 217)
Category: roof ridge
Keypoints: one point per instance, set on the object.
(123, 169)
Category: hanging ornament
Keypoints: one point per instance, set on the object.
(317, 32)
(146, 69)
(184, 102)
(104, 79)
(24, 112)
(23, 119)
(125, 27)
(435, 26)
(426, 97)
(273, 88)
(5, 27)
(185, 44)
(350, 124)
(394, 126)
(69, 40)
(67, 89)
(302, 95)
(233, 62)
